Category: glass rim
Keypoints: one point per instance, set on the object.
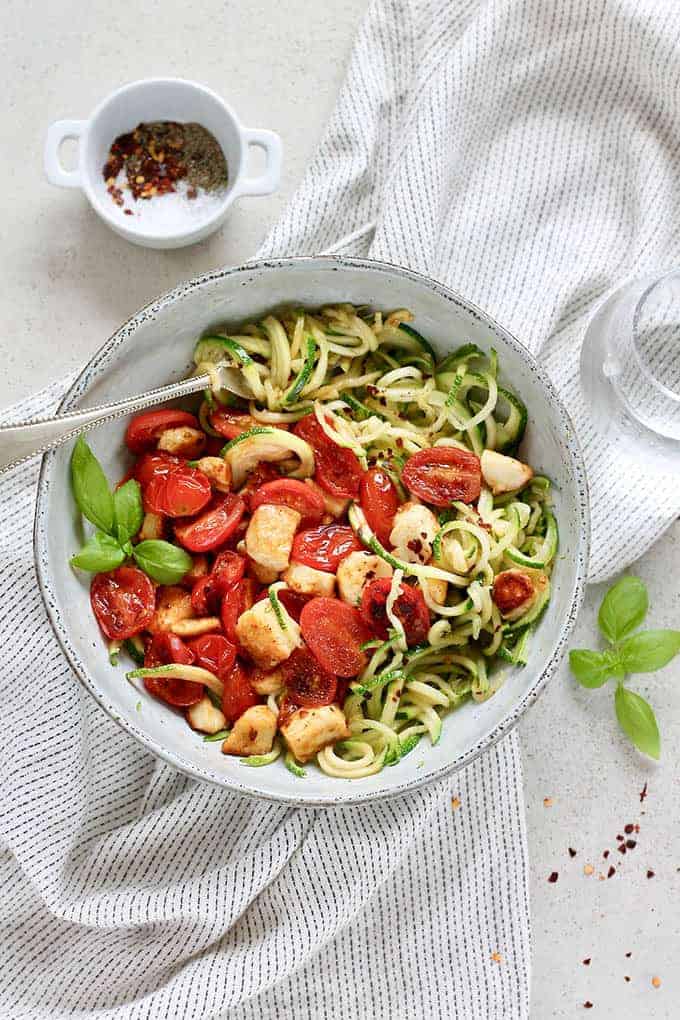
(639, 306)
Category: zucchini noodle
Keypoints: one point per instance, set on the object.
(376, 389)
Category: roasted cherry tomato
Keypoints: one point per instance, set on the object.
(228, 568)
(214, 527)
(263, 472)
(236, 600)
(123, 601)
(443, 474)
(215, 653)
(292, 601)
(291, 493)
(324, 547)
(337, 469)
(145, 428)
(511, 589)
(380, 501)
(230, 423)
(410, 608)
(165, 648)
(157, 463)
(205, 598)
(183, 492)
(307, 682)
(334, 633)
(238, 694)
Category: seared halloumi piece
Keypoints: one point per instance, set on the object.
(218, 471)
(504, 474)
(172, 605)
(182, 441)
(308, 580)
(253, 732)
(413, 532)
(267, 681)
(262, 636)
(198, 569)
(355, 571)
(270, 534)
(265, 575)
(310, 729)
(194, 628)
(336, 506)
(153, 527)
(204, 716)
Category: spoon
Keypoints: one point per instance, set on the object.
(27, 439)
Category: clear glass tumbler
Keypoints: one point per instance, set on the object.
(630, 368)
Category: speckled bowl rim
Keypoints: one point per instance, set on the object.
(99, 363)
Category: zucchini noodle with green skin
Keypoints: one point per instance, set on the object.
(376, 389)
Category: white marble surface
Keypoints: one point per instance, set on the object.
(68, 282)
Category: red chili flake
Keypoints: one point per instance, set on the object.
(650, 874)
(606, 854)
(621, 848)
(643, 793)
(629, 828)
(612, 871)
(626, 978)
(636, 828)
(572, 852)
(631, 844)
(628, 955)
(553, 876)
(128, 212)
(587, 1004)
(619, 838)
(586, 962)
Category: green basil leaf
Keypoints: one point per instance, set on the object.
(593, 669)
(90, 488)
(623, 608)
(128, 512)
(649, 650)
(162, 561)
(100, 553)
(637, 720)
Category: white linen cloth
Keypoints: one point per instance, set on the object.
(525, 153)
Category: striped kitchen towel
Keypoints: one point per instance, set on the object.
(524, 152)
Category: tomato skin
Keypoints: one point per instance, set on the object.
(238, 694)
(325, 547)
(214, 527)
(165, 648)
(145, 428)
(291, 493)
(410, 608)
(231, 423)
(123, 602)
(215, 653)
(337, 469)
(442, 474)
(157, 463)
(334, 632)
(263, 472)
(307, 683)
(205, 599)
(182, 492)
(228, 568)
(292, 601)
(235, 601)
(380, 501)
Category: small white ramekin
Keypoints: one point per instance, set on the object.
(161, 99)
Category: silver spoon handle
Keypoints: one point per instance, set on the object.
(28, 439)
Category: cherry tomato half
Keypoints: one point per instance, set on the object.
(123, 601)
(182, 492)
(235, 602)
(307, 682)
(380, 501)
(231, 423)
(291, 493)
(263, 472)
(238, 694)
(334, 633)
(441, 474)
(205, 599)
(324, 547)
(337, 469)
(228, 568)
(214, 527)
(164, 648)
(215, 653)
(145, 428)
(511, 589)
(157, 463)
(410, 608)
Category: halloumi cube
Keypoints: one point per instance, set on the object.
(270, 534)
(198, 569)
(356, 570)
(310, 729)
(205, 717)
(262, 637)
(309, 580)
(253, 732)
(413, 532)
(504, 474)
(172, 605)
(265, 575)
(182, 441)
(218, 471)
(267, 681)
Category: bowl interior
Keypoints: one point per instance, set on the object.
(151, 100)
(154, 348)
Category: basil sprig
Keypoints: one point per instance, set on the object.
(623, 610)
(118, 517)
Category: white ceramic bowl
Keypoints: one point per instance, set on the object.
(155, 347)
(162, 99)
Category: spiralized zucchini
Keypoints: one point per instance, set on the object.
(375, 386)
